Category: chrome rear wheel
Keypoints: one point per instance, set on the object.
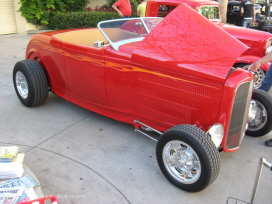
(21, 84)
(30, 82)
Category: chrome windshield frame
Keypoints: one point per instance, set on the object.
(117, 44)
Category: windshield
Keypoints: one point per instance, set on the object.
(122, 31)
(210, 12)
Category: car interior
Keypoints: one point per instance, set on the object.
(88, 37)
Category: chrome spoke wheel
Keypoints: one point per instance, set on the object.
(181, 161)
(257, 116)
(258, 77)
(21, 84)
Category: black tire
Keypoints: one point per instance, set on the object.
(30, 83)
(261, 124)
(205, 157)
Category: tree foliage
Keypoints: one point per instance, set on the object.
(39, 12)
(79, 19)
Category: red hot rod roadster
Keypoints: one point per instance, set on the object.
(140, 71)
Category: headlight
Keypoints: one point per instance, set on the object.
(253, 111)
(216, 132)
(268, 49)
(268, 46)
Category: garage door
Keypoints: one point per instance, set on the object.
(7, 21)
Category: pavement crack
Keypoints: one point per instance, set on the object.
(58, 133)
(61, 155)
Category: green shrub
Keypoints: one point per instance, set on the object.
(39, 12)
(79, 19)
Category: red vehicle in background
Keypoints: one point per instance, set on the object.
(259, 42)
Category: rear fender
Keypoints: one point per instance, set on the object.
(34, 54)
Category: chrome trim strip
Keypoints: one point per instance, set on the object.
(136, 121)
(137, 130)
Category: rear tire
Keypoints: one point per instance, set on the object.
(30, 83)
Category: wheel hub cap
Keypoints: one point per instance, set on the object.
(182, 162)
(21, 84)
(257, 116)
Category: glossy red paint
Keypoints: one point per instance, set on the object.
(162, 81)
(169, 52)
(254, 39)
(249, 59)
(236, 78)
(153, 5)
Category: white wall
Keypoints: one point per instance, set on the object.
(94, 3)
(21, 24)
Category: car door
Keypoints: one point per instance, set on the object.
(86, 72)
(118, 78)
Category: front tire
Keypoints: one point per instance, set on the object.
(188, 158)
(30, 83)
(260, 116)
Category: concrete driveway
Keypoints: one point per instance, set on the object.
(83, 157)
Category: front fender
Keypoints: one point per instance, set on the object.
(249, 59)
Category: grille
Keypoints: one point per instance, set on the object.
(239, 115)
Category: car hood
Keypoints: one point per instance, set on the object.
(186, 43)
(245, 33)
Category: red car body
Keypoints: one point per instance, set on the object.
(114, 83)
(164, 75)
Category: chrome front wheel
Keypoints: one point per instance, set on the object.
(181, 161)
(188, 158)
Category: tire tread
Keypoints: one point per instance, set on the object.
(267, 102)
(212, 159)
(38, 81)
